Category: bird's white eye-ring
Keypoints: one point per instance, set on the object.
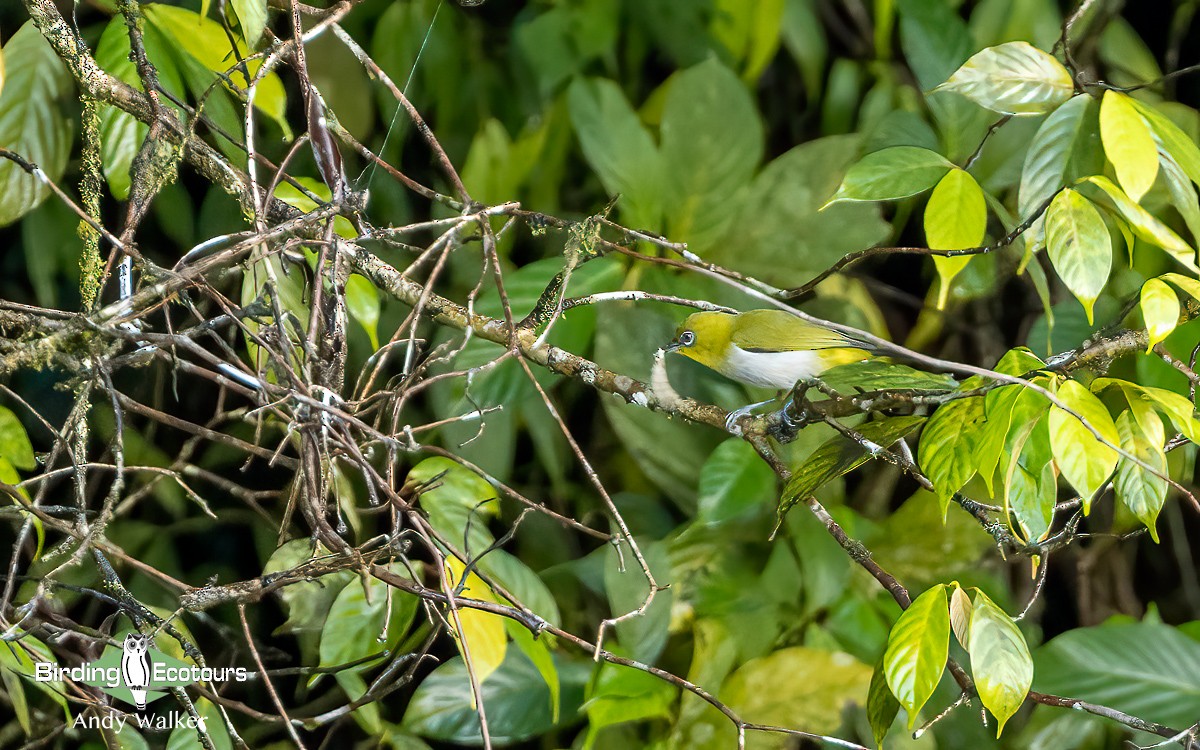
(687, 338)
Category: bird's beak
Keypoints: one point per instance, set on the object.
(673, 347)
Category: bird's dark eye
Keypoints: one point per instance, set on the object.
(687, 338)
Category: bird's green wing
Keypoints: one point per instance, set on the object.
(779, 331)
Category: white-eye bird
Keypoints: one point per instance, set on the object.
(767, 348)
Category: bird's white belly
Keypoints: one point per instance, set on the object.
(771, 369)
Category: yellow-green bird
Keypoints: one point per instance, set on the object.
(768, 348)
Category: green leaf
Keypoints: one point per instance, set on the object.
(1146, 226)
(841, 455)
(1029, 480)
(1000, 660)
(955, 218)
(891, 174)
(1180, 410)
(881, 375)
(949, 444)
(252, 16)
(358, 623)
(1140, 490)
(711, 139)
(1079, 245)
(733, 480)
(538, 653)
(1084, 461)
(934, 38)
(14, 442)
(205, 41)
(809, 688)
(882, 706)
(1148, 670)
(515, 697)
(31, 121)
(1160, 310)
(1049, 156)
(620, 694)
(306, 603)
(619, 149)
(780, 234)
(918, 647)
(1015, 78)
(362, 302)
(455, 499)
(1128, 144)
(644, 637)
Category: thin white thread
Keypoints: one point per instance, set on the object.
(371, 167)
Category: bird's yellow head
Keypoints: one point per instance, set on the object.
(704, 337)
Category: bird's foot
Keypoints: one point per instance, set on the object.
(735, 416)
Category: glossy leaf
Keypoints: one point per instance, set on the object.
(515, 698)
(917, 650)
(841, 455)
(891, 174)
(1014, 78)
(362, 302)
(1177, 143)
(1084, 461)
(360, 623)
(955, 219)
(1146, 669)
(1128, 144)
(458, 502)
(1000, 660)
(1140, 490)
(1160, 311)
(960, 615)
(252, 16)
(948, 446)
(1079, 245)
(205, 41)
(733, 480)
(31, 122)
(1049, 156)
(882, 706)
(1146, 226)
(14, 442)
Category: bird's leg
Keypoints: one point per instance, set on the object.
(735, 416)
(795, 405)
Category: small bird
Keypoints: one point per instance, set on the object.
(767, 348)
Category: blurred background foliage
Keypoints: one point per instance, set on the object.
(727, 125)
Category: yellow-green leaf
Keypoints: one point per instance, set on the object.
(947, 452)
(362, 302)
(960, 615)
(1140, 490)
(1187, 284)
(1000, 660)
(205, 40)
(252, 15)
(1079, 246)
(1015, 78)
(1145, 225)
(483, 632)
(1160, 310)
(955, 219)
(1084, 461)
(917, 649)
(1128, 144)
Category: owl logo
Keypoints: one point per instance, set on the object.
(135, 667)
